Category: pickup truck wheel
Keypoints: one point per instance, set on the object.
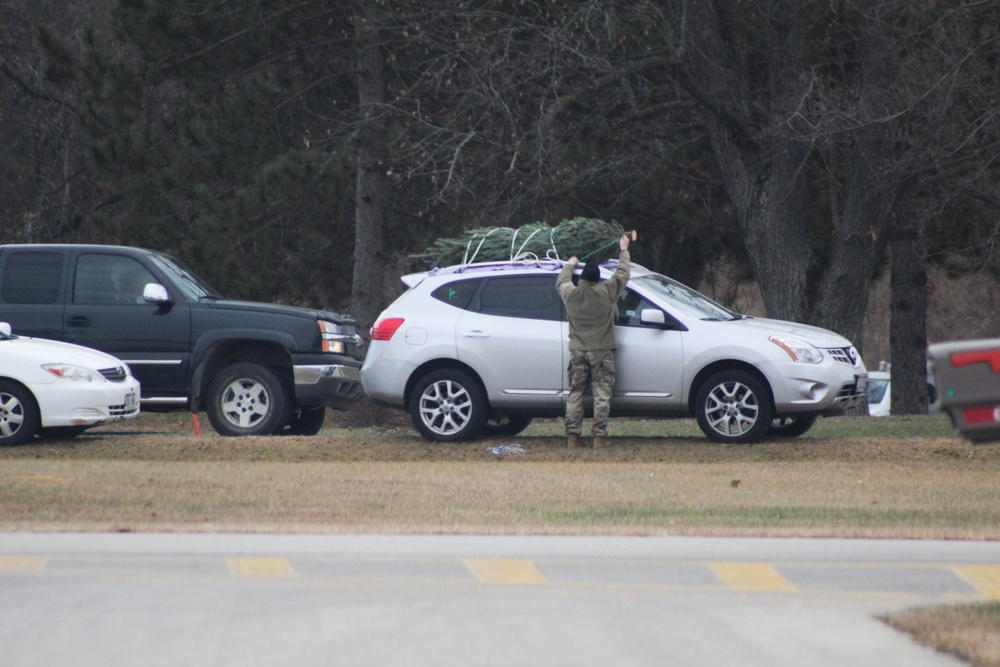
(247, 399)
(307, 421)
(733, 406)
(448, 406)
(19, 415)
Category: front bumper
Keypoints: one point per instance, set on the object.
(73, 404)
(332, 385)
(827, 390)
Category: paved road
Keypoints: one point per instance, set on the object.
(139, 600)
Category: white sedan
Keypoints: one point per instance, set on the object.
(53, 388)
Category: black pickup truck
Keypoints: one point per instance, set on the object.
(255, 368)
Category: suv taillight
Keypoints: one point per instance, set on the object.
(384, 329)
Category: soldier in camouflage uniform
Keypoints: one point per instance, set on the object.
(591, 310)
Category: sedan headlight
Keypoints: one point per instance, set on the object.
(798, 350)
(70, 372)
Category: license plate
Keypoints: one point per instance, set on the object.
(131, 400)
(862, 383)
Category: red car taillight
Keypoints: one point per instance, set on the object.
(384, 329)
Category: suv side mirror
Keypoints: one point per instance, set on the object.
(652, 316)
(155, 293)
(655, 318)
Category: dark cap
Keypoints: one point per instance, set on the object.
(591, 272)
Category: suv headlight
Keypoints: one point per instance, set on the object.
(70, 372)
(798, 350)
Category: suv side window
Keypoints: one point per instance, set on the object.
(32, 277)
(458, 293)
(629, 307)
(531, 297)
(109, 279)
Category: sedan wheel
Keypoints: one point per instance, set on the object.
(733, 406)
(19, 416)
(448, 406)
(247, 399)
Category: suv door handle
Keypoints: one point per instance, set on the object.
(78, 321)
(476, 333)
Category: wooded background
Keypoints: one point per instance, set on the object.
(300, 150)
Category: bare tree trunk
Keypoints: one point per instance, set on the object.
(908, 323)
(366, 290)
(762, 166)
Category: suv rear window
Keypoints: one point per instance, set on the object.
(531, 297)
(32, 277)
(458, 293)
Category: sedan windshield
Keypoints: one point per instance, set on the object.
(683, 298)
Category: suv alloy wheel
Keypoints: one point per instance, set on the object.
(733, 406)
(448, 406)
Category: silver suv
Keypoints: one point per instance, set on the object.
(482, 349)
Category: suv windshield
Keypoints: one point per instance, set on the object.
(190, 284)
(683, 298)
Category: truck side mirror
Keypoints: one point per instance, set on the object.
(155, 293)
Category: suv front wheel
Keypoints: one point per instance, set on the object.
(733, 406)
(448, 406)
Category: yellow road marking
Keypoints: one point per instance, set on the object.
(984, 577)
(260, 567)
(504, 571)
(759, 577)
(41, 478)
(22, 563)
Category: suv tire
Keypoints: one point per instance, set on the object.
(506, 426)
(19, 415)
(247, 399)
(791, 427)
(733, 406)
(448, 406)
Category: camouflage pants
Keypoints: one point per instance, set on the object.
(596, 370)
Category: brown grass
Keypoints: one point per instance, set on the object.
(971, 632)
(658, 478)
(904, 477)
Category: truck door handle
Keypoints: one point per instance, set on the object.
(78, 321)
(476, 333)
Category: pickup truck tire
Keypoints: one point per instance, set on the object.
(307, 421)
(19, 415)
(248, 399)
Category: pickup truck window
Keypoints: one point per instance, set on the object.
(190, 284)
(109, 279)
(32, 277)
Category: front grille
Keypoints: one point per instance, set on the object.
(845, 355)
(122, 410)
(116, 374)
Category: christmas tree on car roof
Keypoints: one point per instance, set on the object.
(589, 239)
